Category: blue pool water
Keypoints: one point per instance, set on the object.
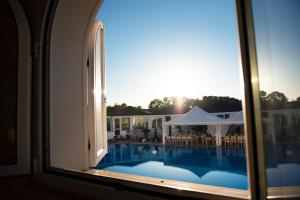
(225, 167)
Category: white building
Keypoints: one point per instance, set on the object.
(127, 124)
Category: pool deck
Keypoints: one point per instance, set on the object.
(161, 144)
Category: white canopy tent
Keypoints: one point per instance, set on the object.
(197, 116)
(224, 124)
(236, 119)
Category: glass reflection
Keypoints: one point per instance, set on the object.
(277, 32)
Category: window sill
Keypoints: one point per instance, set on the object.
(179, 188)
(283, 192)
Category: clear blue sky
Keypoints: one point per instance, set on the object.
(158, 48)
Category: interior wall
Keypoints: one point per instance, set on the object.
(15, 85)
(8, 85)
(67, 57)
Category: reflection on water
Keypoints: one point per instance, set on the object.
(224, 167)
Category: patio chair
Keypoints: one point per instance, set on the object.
(173, 140)
(222, 141)
(168, 140)
(226, 140)
(194, 139)
(198, 140)
(233, 140)
(214, 140)
(188, 140)
(203, 140)
(240, 140)
(179, 140)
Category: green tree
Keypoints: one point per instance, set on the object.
(156, 106)
(146, 132)
(167, 101)
(263, 94)
(277, 97)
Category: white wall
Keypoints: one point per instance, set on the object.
(71, 22)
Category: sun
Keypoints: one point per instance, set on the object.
(177, 77)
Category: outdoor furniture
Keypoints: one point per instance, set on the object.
(181, 140)
(188, 140)
(227, 140)
(176, 140)
(168, 140)
(173, 140)
(240, 140)
(233, 140)
(203, 140)
(208, 140)
(195, 139)
(222, 141)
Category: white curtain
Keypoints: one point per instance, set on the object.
(221, 132)
(212, 129)
(165, 132)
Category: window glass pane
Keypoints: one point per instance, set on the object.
(108, 121)
(125, 123)
(8, 86)
(172, 68)
(277, 32)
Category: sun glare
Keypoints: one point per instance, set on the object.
(176, 75)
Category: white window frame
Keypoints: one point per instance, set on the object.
(95, 98)
(63, 14)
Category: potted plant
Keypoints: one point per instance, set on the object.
(146, 133)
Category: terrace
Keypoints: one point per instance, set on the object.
(191, 128)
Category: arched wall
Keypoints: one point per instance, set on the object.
(22, 84)
(68, 55)
(8, 84)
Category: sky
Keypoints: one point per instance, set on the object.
(159, 48)
(277, 27)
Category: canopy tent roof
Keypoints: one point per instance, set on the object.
(196, 116)
(235, 119)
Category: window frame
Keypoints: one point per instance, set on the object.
(251, 105)
(255, 144)
(94, 97)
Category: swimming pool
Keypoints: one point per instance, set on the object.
(225, 167)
